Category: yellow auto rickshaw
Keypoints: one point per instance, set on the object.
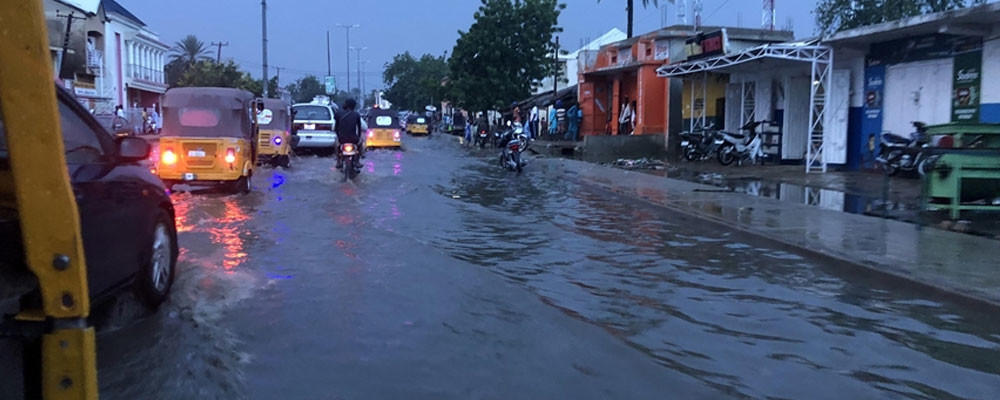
(209, 138)
(274, 143)
(383, 129)
(418, 125)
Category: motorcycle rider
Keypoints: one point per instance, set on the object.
(482, 124)
(348, 129)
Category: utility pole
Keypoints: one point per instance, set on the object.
(363, 64)
(328, 70)
(359, 50)
(555, 75)
(277, 75)
(65, 47)
(218, 56)
(263, 24)
(347, 29)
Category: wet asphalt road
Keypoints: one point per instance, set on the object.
(437, 275)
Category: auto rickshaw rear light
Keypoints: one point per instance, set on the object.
(395, 134)
(277, 140)
(230, 156)
(169, 157)
(371, 133)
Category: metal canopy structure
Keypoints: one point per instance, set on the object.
(819, 57)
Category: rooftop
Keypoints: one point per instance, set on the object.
(112, 6)
(971, 21)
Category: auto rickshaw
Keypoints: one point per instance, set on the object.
(274, 142)
(209, 138)
(383, 129)
(418, 125)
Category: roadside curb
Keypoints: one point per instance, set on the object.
(860, 263)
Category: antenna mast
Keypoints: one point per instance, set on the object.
(769, 17)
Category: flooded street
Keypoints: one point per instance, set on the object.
(436, 274)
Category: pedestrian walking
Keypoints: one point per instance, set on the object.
(157, 121)
(560, 118)
(533, 123)
(120, 111)
(633, 116)
(552, 123)
(573, 115)
(625, 117)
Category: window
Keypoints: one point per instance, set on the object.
(383, 121)
(199, 117)
(80, 141)
(312, 113)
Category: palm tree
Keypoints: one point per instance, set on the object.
(629, 7)
(189, 50)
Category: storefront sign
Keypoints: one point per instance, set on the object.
(871, 122)
(967, 87)
(85, 89)
(662, 49)
(706, 45)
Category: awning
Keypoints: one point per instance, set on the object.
(970, 21)
(748, 59)
(632, 66)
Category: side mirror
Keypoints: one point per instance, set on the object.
(133, 149)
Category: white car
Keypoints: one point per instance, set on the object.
(315, 126)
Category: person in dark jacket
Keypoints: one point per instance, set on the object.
(348, 127)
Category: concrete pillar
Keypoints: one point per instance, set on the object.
(616, 103)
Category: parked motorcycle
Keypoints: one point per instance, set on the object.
(901, 153)
(514, 143)
(700, 144)
(350, 157)
(741, 147)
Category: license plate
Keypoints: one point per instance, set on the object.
(188, 176)
(309, 127)
(196, 153)
(684, 143)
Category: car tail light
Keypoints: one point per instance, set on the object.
(277, 140)
(169, 157)
(371, 133)
(230, 156)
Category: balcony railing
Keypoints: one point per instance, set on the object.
(145, 73)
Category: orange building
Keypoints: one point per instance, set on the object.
(628, 69)
(621, 70)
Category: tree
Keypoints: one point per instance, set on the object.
(209, 73)
(507, 48)
(630, 10)
(256, 86)
(306, 88)
(837, 15)
(190, 50)
(412, 83)
(174, 70)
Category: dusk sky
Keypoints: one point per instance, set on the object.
(297, 28)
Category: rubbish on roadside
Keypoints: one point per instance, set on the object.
(641, 163)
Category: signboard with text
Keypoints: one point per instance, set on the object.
(966, 87)
(331, 85)
(705, 45)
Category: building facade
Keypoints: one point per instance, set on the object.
(569, 63)
(135, 59)
(935, 68)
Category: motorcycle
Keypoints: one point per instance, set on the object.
(516, 143)
(350, 160)
(700, 144)
(482, 138)
(900, 153)
(740, 147)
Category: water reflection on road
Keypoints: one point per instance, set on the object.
(729, 310)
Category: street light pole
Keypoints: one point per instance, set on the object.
(328, 70)
(360, 85)
(347, 29)
(263, 17)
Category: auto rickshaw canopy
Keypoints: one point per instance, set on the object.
(280, 114)
(208, 112)
(383, 119)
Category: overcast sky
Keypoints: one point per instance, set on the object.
(297, 28)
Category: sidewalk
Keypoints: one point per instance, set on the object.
(962, 266)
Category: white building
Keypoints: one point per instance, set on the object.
(134, 59)
(570, 67)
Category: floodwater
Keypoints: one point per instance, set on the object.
(437, 275)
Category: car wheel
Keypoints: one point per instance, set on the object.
(157, 274)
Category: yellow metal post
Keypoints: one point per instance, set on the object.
(46, 207)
